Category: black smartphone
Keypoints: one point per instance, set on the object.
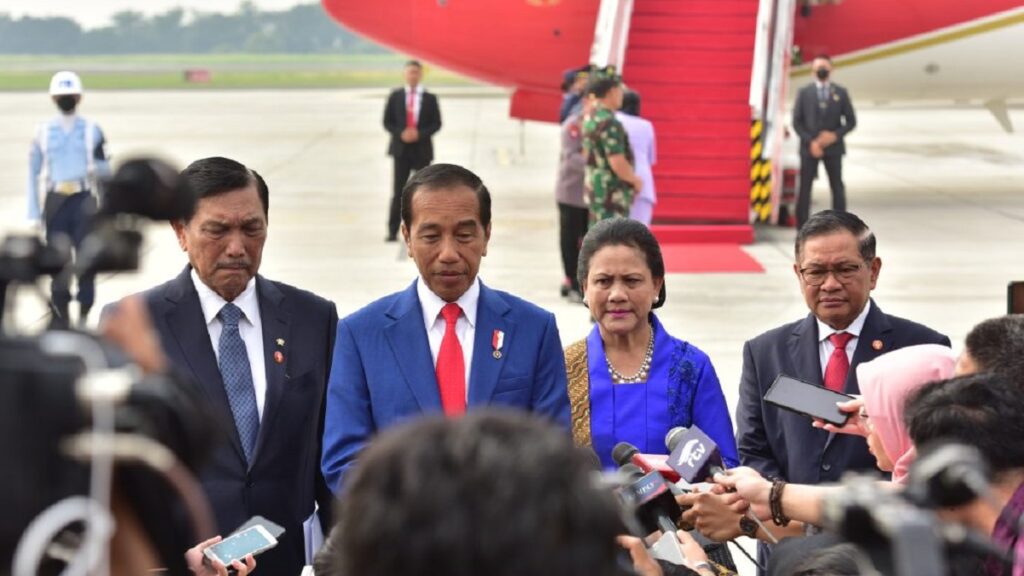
(798, 396)
(1015, 297)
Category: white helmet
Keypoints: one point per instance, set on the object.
(65, 83)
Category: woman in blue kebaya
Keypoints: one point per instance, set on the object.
(630, 380)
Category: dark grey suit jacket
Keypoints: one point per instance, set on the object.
(781, 444)
(810, 118)
(284, 479)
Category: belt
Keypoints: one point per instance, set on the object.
(69, 187)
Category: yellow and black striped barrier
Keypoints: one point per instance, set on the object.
(760, 175)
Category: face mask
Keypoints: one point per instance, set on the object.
(822, 73)
(67, 103)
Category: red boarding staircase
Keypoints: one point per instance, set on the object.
(691, 60)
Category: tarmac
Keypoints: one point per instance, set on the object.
(942, 188)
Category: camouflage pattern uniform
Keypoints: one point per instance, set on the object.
(604, 136)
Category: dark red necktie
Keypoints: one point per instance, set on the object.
(410, 110)
(838, 364)
(451, 366)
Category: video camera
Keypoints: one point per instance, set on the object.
(900, 531)
(72, 426)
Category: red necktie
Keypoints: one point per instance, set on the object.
(410, 110)
(451, 367)
(838, 364)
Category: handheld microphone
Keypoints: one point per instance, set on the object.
(694, 456)
(625, 452)
(656, 509)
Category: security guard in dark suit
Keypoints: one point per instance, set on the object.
(822, 116)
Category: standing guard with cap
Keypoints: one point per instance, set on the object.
(67, 155)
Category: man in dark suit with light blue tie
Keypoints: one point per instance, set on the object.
(260, 352)
(445, 344)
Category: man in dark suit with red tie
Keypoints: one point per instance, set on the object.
(837, 268)
(822, 116)
(412, 117)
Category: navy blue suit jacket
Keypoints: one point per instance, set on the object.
(383, 371)
(781, 444)
(284, 479)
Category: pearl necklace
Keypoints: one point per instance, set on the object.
(641, 374)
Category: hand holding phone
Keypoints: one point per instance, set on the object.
(201, 565)
(801, 397)
(238, 546)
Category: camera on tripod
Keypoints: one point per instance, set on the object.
(78, 420)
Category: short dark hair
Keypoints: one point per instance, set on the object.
(622, 232)
(414, 63)
(218, 175)
(831, 221)
(838, 560)
(440, 177)
(997, 345)
(600, 86)
(495, 493)
(631, 103)
(981, 410)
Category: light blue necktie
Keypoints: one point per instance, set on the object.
(237, 376)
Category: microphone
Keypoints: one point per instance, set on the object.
(946, 475)
(656, 509)
(625, 452)
(693, 455)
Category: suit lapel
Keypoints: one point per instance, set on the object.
(874, 340)
(187, 324)
(276, 319)
(410, 348)
(491, 315)
(803, 348)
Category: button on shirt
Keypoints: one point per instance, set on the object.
(465, 326)
(825, 346)
(250, 328)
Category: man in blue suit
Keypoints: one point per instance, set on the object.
(258, 350)
(837, 268)
(447, 342)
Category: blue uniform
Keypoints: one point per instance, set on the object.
(67, 153)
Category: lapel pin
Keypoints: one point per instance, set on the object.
(280, 341)
(835, 97)
(278, 357)
(497, 341)
(877, 344)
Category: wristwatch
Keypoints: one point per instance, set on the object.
(748, 527)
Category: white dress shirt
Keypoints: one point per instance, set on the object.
(825, 346)
(250, 328)
(465, 326)
(416, 102)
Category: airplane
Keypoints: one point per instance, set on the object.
(713, 66)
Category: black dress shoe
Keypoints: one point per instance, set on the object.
(391, 238)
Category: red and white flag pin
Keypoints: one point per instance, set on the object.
(497, 341)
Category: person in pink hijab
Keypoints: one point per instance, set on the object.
(885, 384)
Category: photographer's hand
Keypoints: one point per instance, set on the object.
(128, 325)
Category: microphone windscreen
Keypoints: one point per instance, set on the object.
(622, 452)
(673, 437)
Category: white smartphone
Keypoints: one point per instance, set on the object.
(252, 540)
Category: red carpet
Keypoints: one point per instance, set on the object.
(705, 258)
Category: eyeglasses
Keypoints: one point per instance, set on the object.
(815, 276)
(865, 420)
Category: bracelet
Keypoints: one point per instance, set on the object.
(703, 566)
(775, 503)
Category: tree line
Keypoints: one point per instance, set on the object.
(303, 29)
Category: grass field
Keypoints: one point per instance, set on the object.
(227, 71)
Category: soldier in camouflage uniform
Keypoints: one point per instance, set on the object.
(610, 180)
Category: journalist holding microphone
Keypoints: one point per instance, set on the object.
(630, 380)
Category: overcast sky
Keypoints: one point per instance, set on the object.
(94, 13)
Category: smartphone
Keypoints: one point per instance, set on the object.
(252, 540)
(797, 396)
(1015, 298)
